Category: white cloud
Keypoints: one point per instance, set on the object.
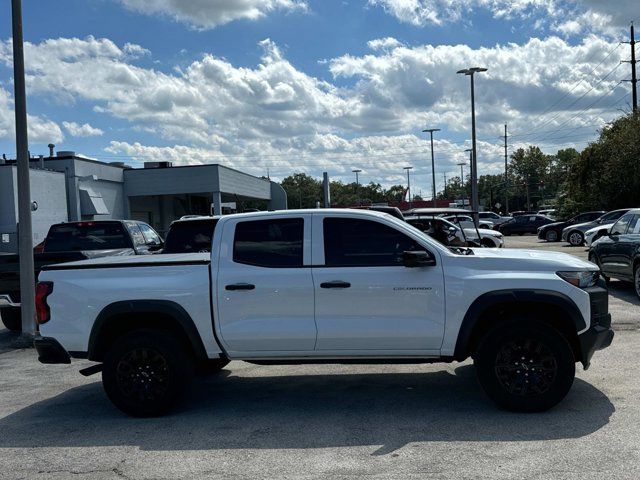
(568, 17)
(207, 14)
(274, 114)
(84, 130)
(40, 129)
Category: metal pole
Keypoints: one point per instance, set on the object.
(409, 188)
(474, 163)
(506, 177)
(634, 80)
(25, 236)
(433, 171)
(326, 189)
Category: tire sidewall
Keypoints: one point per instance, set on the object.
(178, 362)
(636, 280)
(487, 352)
(551, 236)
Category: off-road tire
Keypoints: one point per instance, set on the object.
(525, 368)
(146, 372)
(11, 317)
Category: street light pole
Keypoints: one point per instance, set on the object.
(433, 163)
(408, 184)
(357, 171)
(25, 236)
(474, 164)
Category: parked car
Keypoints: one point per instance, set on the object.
(518, 213)
(551, 213)
(493, 218)
(452, 235)
(574, 234)
(618, 253)
(325, 285)
(466, 221)
(552, 232)
(594, 234)
(522, 224)
(66, 242)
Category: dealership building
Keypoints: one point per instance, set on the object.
(70, 187)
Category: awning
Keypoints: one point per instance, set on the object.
(91, 202)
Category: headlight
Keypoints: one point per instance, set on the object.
(584, 279)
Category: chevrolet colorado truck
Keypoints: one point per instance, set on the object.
(324, 286)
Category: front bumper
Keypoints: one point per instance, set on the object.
(50, 351)
(541, 234)
(599, 335)
(565, 235)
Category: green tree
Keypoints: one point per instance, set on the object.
(303, 191)
(606, 175)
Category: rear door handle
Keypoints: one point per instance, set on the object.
(335, 284)
(240, 286)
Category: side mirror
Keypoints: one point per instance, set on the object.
(419, 258)
(614, 234)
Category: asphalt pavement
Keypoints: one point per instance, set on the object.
(327, 421)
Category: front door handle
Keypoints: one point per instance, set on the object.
(335, 284)
(240, 286)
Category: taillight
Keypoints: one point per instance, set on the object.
(43, 290)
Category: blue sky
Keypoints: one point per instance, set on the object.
(294, 85)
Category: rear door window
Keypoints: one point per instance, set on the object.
(273, 243)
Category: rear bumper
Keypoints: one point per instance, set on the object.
(599, 335)
(50, 351)
(6, 301)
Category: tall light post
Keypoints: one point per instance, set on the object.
(474, 170)
(25, 236)
(357, 171)
(408, 184)
(433, 163)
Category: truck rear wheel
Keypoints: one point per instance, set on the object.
(11, 317)
(525, 368)
(146, 372)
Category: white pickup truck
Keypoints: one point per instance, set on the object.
(332, 286)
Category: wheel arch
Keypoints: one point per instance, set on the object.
(119, 318)
(493, 308)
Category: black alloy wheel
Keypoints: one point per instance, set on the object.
(524, 365)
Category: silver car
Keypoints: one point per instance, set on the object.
(574, 234)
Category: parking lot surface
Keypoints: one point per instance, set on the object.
(328, 421)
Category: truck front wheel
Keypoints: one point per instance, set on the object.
(525, 368)
(146, 372)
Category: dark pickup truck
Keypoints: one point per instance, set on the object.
(68, 242)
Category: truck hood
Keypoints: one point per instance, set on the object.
(537, 260)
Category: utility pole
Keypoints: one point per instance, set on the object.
(506, 177)
(408, 184)
(25, 235)
(634, 79)
(433, 163)
(445, 184)
(357, 171)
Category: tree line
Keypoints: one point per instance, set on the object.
(604, 176)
